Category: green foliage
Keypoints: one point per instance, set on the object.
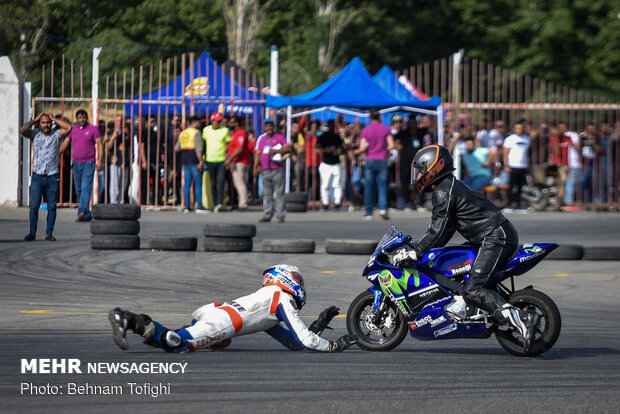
(570, 42)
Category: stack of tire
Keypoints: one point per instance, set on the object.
(115, 227)
(228, 237)
(296, 202)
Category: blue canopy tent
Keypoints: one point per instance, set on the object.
(398, 87)
(202, 89)
(353, 87)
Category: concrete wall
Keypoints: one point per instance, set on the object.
(10, 105)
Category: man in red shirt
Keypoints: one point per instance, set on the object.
(240, 158)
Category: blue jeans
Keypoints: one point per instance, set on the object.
(51, 186)
(83, 174)
(192, 173)
(571, 184)
(376, 172)
(477, 182)
(217, 172)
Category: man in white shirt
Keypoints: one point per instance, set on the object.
(516, 163)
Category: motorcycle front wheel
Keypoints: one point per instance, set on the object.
(381, 332)
(547, 330)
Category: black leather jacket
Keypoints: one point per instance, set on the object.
(456, 207)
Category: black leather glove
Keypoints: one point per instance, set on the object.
(343, 343)
(320, 324)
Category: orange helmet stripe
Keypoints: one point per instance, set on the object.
(436, 158)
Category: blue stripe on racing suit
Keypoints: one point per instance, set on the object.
(285, 337)
(290, 334)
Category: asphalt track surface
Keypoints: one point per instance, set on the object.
(55, 297)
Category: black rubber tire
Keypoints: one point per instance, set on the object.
(566, 252)
(363, 302)
(229, 230)
(296, 207)
(601, 253)
(288, 246)
(180, 244)
(548, 328)
(114, 227)
(116, 211)
(114, 242)
(338, 246)
(296, 197)
(228, 244)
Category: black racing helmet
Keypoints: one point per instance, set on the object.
(432, 163)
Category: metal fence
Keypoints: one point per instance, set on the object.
(474, 95)
(123, 103)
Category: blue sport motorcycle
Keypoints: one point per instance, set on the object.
(423, 298)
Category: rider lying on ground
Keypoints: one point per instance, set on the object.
(279, 300)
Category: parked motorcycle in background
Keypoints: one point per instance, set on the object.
(541, 189)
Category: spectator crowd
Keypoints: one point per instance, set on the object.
(215, 163)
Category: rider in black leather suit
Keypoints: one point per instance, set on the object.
(456, 207)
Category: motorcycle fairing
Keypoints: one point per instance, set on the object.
(528, 256)
(409, 289)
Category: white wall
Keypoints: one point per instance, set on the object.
(9, 133)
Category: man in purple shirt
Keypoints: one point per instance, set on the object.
(376, 141)
(270, 149)
(87, 155)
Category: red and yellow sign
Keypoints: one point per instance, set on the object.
(199, 86)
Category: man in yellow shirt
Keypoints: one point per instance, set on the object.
(216, 138)
(190, 145)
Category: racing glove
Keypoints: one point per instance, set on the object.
(343, 343)
(320, 324)
(404, 257)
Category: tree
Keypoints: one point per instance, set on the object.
(243, 21)
(334, 22)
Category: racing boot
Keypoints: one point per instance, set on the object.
(122, 320)
(525, 322)
(457, 308)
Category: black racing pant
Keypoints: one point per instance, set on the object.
(494, 252)
(517, 180)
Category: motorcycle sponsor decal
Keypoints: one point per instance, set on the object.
(425, 298)
(437, 321)
(371, 260)
(460, 268)
(407, 273)
(532, 249)
(395, 289)
(420, 323)
(537, 253)
(445, 330)
(428, 293)
(426, 320)
(385, 278)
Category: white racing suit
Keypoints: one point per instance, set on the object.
(264, 310)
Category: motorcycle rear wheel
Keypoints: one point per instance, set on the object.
(547, 329)
(383, 336)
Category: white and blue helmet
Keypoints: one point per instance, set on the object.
(289, 279)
